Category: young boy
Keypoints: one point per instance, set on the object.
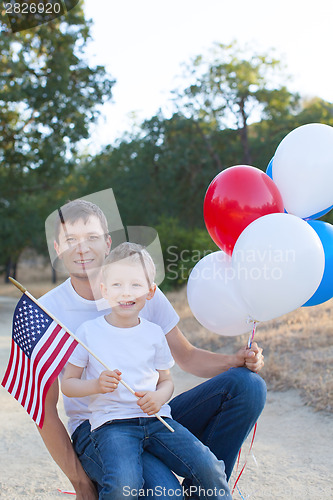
(123, 425)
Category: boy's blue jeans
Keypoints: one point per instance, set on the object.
(220, 412)
(120, 445)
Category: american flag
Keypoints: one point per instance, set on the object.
(40, 349)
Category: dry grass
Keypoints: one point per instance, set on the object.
(298, 347)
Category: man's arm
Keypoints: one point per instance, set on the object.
(207, 364)
(59, 445)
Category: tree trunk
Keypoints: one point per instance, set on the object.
(10, 269)
(54, 275)
(244, 137)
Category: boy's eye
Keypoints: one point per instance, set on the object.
(137, 284)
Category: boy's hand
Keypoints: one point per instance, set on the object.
(108, 381)
(150, 402)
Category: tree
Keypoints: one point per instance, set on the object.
(49, 96)
(232, 87)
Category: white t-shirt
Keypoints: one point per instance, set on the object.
(72, 310)
(138, 352)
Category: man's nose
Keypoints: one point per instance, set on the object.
(82, 246)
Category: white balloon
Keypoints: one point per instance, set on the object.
(213, 297)
(303, 169)
(279, 261)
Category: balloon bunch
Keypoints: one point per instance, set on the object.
(274, 257)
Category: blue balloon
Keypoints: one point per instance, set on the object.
(319, 214)
(325, 290)
(269, 169)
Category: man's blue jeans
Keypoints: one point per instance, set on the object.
(220, 412)
(120, 444)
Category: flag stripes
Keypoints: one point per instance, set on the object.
(40, 348)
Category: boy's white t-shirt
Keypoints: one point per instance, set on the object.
(72, 310)
(138, 352)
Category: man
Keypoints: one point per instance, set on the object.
(220, 412)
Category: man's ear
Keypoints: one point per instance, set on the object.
(108, 245)
(56, 247)
(152, 291)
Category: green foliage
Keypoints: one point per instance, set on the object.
(182, 250)
(235, 109)
(48, 98)
(231, 87)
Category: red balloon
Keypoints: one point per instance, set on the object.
(236, 197)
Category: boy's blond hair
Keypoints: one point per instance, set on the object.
(134, 253)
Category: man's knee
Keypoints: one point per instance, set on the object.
(247, 384)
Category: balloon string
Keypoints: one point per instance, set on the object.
(241, 472)
(240, 494)
(251, 337)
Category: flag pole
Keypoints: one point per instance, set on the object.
(25, 291)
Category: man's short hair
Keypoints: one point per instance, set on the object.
(76, 210)
(134, 253)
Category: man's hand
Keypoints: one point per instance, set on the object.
(252, 358)
(108, 381)
(86, 491)
(150, 402)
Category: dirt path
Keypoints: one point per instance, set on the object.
(292, 454)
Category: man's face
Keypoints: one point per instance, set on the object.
(82, 246)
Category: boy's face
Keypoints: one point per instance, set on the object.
(82, 246)
(126, 287)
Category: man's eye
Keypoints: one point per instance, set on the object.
(94, 238)
(137, 284)
(70, 240)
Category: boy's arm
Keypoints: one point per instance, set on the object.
(151, 401)
(59, 445)
(74, 387)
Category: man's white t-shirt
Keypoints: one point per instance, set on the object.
(138, 352)
(72, 310)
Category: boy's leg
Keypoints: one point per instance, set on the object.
(158, 478)
(188, 457)
(159, 482)
(222, 411)
(119, 446)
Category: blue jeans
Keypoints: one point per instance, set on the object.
(220, 412)
(120, 444)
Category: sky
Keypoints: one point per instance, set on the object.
(144, 43)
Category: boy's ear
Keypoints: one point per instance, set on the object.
(152, 291)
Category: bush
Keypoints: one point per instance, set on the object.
(182, 249)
